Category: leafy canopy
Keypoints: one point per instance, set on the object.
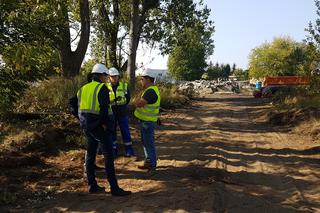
(283, 56)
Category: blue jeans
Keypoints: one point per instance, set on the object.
(147, 138)
(124, 128)
(94, 137)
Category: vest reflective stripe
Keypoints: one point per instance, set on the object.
(87, 99)
(121, 92)
(152, 107)
(149, 112)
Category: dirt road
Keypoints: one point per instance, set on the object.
(214, 156)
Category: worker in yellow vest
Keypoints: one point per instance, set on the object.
(147, 111)
(93, 110)
(119, 95)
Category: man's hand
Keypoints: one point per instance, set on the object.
(140, 102)
(104, 127)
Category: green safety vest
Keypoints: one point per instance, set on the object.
(88, 98)
(149, 112)
(121, 91)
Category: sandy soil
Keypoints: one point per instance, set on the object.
(214, 156)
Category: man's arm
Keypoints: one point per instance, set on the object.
(73, 106)
(104, 101)
(149, 97)
(128, 96)
(140, 103)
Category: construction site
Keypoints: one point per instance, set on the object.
(218, 153)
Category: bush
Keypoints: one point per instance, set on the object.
(298, 98)
(50, 95)
(12, 86)
(170, 97)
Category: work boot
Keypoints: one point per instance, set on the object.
(129, 151)
(96, 189)
(146, 166)
(120, 192)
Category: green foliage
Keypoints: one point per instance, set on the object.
(314, 29)
(241, 74)
(187, 59)
(50, 95)
(33, 60)
(87, 67)
(11, 87)
(283, 56)
(166, 23)
(24, 63)
(218, 71)
(298, 99)
(313, 40)
(315, 85)
(170, 97)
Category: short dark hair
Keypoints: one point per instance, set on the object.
(96, 76)
(150, 78)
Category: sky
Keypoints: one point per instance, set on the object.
(241, 25)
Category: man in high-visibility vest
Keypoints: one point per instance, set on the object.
(93, 110)
(119, 95)
(147, 111)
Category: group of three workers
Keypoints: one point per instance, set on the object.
(101, 104)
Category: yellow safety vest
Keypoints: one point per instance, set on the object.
(121, 91)
(88, 98)
(149, 112)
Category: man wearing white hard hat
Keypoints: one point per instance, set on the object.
(147, 111)
(93, 110)
(119, 98)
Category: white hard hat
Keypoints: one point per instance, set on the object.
(100, 69)
(113, 71)
(149, 72)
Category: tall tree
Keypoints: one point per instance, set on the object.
(314, 40)
(47, 22)
(188, 59)
(283, 56)
(71, 60)
(133, 42)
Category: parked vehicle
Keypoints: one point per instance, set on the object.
(275, 84)
(286, 80)
(269, 91)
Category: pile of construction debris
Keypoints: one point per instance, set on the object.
(198, 87)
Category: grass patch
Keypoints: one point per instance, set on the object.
(50, 95)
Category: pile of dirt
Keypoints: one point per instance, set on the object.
(292, 117)
(12, 160)
(301, 121)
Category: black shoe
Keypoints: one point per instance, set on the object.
(120, 192)
(96, 189)
(146, 166)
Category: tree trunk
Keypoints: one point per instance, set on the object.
(71, 60)
(133, 34)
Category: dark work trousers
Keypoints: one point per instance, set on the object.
(94, 137)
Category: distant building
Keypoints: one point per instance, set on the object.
(233, 78)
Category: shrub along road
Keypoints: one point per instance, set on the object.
(217, 155)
